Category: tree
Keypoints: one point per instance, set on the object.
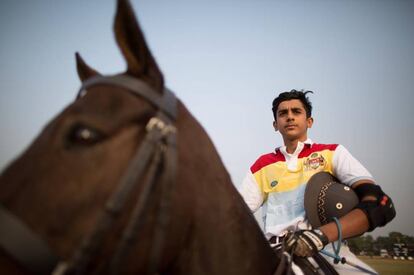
(384, 243)
(396, 237)
(373, 246)
(361, 243)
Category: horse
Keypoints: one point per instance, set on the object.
(180, 212)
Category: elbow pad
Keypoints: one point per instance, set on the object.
(379, 212)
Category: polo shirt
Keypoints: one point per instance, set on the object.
(277, 182)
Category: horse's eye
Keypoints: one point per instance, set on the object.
(83, 135)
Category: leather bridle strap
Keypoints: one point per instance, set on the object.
(166, 154)
(167, 184)
(23, 245)
(167, 103)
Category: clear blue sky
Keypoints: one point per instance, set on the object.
(227, 60)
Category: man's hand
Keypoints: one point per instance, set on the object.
(305, 243)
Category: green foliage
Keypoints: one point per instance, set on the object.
(372, 246)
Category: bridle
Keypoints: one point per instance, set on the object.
(156, 158)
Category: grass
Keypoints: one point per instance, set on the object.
(389, 266)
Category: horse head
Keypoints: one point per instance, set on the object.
(60, 186)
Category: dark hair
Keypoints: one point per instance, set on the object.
(293, 94)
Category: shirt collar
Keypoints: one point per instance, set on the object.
(299, 148)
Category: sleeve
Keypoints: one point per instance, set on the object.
(347, 169)
(251, 193)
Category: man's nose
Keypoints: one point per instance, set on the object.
(290, 116)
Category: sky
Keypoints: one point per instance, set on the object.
(227, 60)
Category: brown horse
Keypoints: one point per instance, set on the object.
(59, 187)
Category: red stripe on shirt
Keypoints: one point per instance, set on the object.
(307, 150)
(266, 160)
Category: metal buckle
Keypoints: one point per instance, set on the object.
(161, 125)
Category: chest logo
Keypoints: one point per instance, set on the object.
(314, 161)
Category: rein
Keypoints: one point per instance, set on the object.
(156, 158)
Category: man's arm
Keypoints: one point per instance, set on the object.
(353, 224)
(251, 193)
(374, 209)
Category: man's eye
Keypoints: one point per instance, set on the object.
(84, 135)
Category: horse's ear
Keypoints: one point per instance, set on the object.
(132, 43)
(84, 71)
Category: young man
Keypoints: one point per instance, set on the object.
(277, 182)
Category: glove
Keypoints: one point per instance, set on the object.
(305, 243)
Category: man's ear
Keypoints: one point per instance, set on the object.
(309, 122)
(275, 125)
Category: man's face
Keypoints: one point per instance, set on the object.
(291, 120)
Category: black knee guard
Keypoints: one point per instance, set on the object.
(379, 212)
